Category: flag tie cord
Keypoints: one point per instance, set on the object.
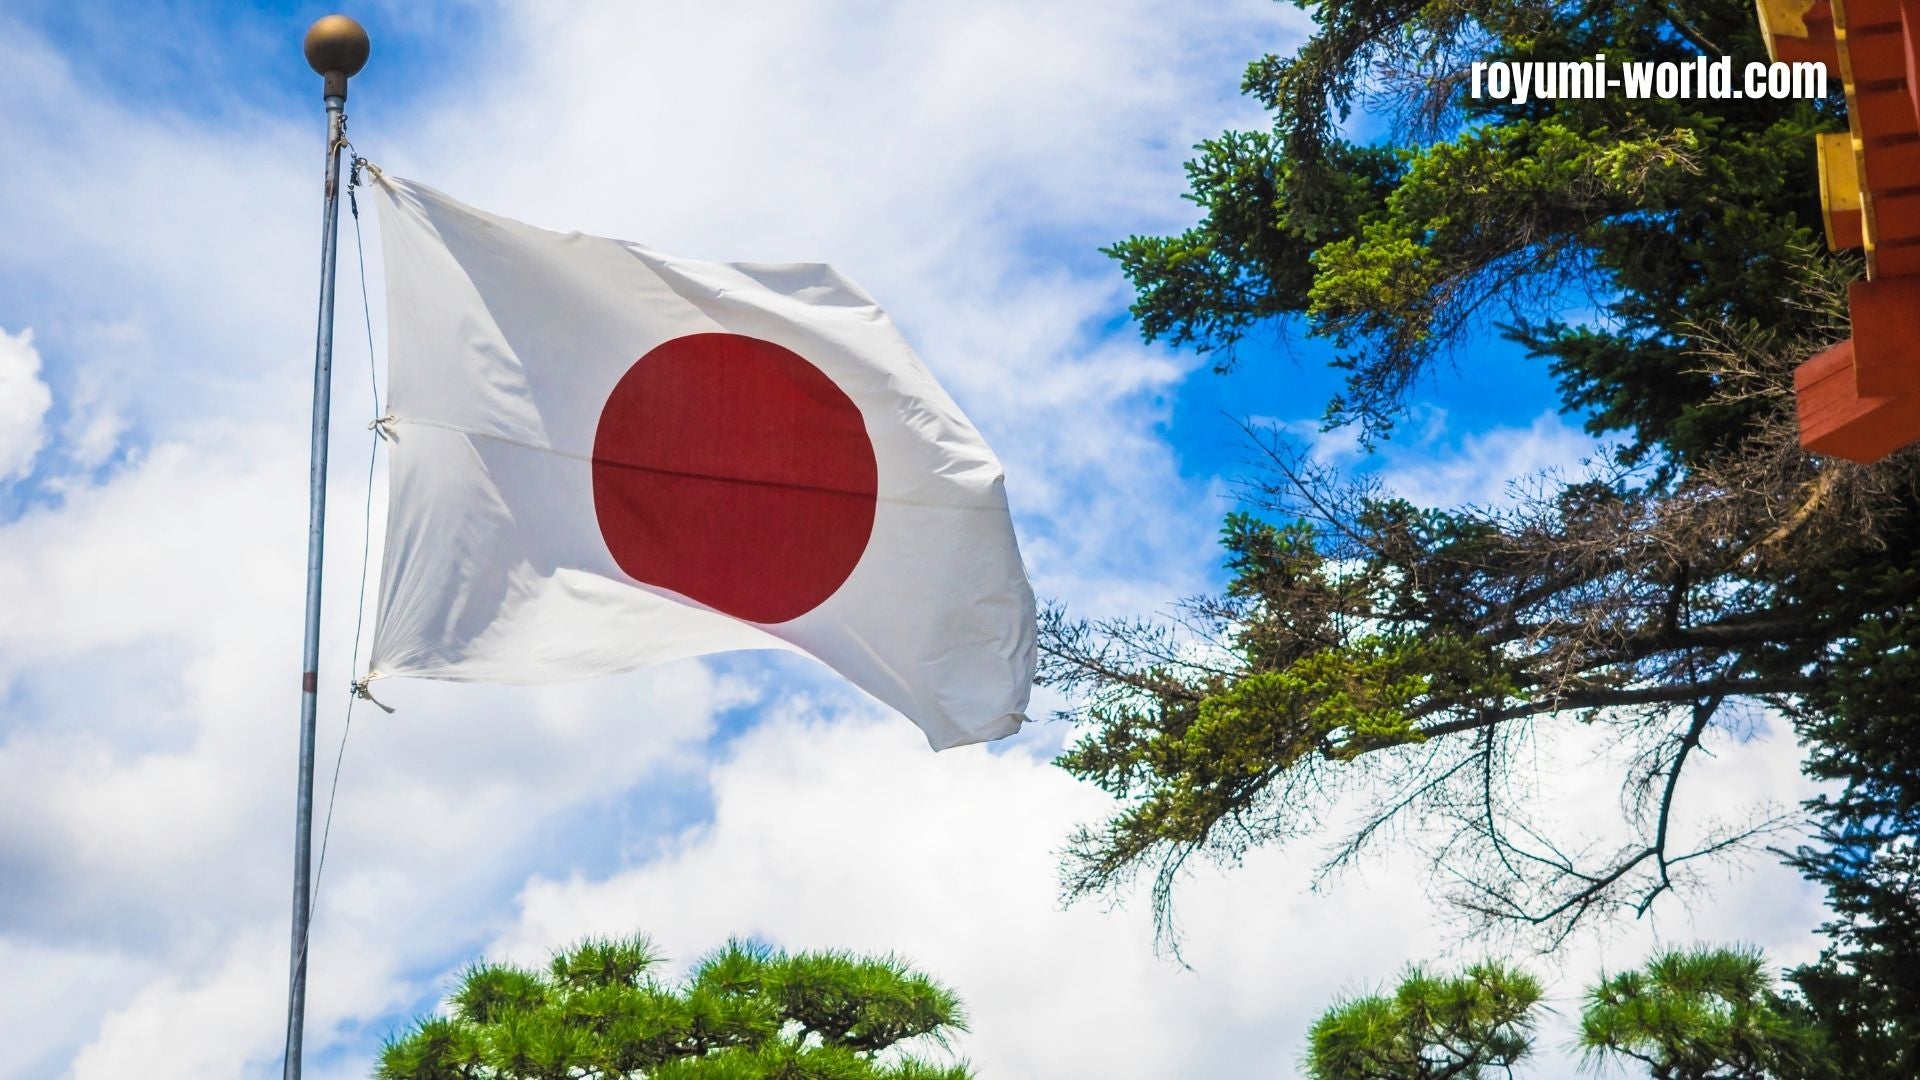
(361, 691)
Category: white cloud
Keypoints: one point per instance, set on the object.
(24, 401)
(1432, 465)
(1482, 470)
(95, 424)
(180, 1028)
(169, 264)
(59, 1002)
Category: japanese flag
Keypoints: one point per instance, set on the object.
(604, 456)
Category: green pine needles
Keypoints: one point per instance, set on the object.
(1701, 1014)
(745, 1012)
(1475, 1024)
(1689, 1014)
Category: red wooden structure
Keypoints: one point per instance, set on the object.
(1860, 400)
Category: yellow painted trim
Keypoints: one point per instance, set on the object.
(1854, 133)
(1839, 179)
(1782, 18)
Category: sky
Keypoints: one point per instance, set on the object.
(964, 163)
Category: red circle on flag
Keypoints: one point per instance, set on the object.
(735, 473)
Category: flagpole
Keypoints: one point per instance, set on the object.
(336, 49)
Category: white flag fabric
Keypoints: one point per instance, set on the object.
(604, 457)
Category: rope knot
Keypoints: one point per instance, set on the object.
(361, 691)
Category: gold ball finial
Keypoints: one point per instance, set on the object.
(337, 46)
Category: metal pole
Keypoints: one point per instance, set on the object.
(336, 48)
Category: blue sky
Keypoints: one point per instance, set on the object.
(963, 162)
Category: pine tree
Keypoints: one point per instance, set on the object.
(745, 1012)
(1689, 1014)
(1476, 1024)
(1702, 1014)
